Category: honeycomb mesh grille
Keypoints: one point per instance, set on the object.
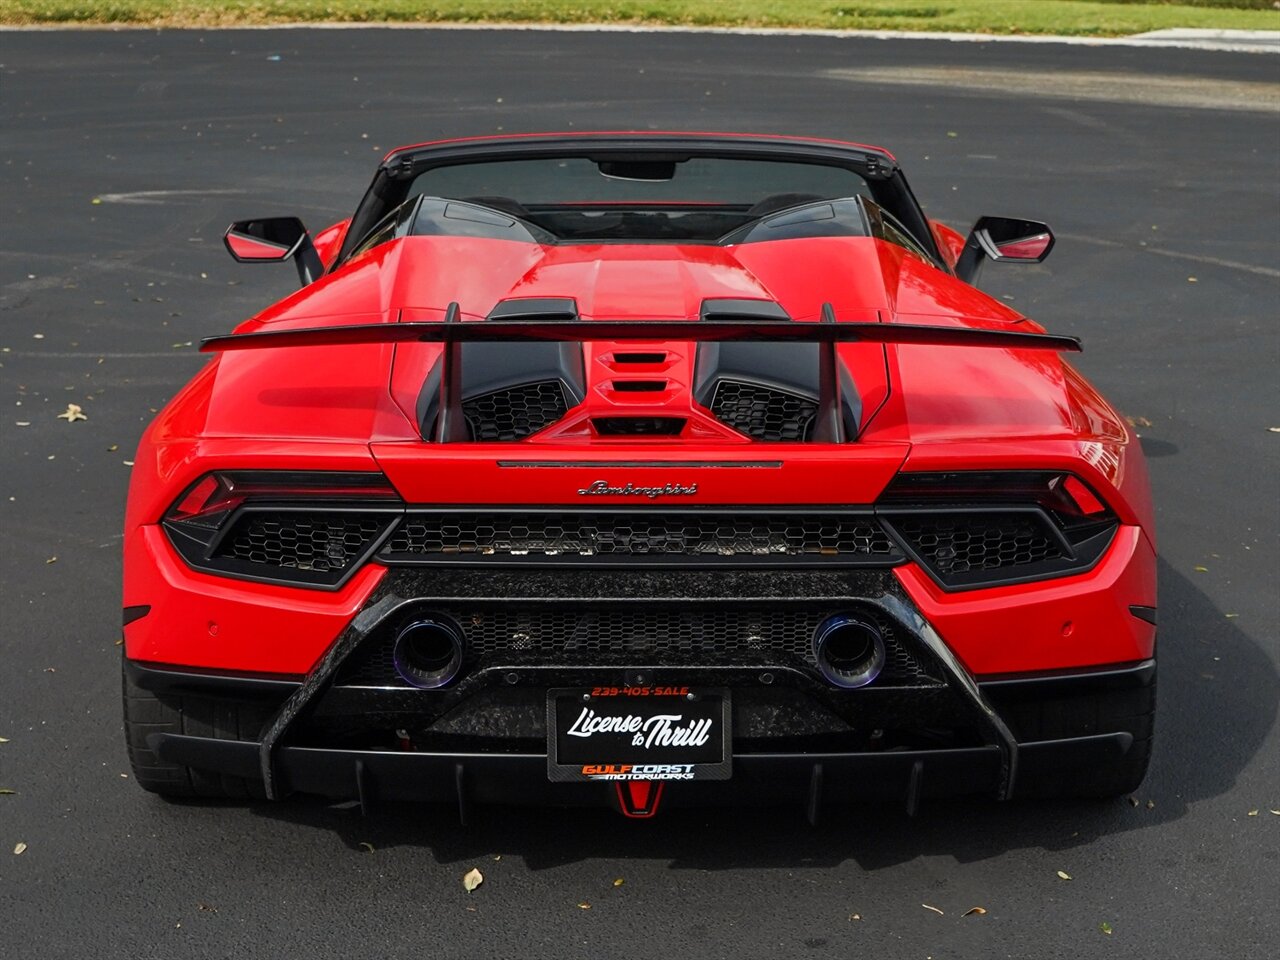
(763, 413)
(515, 412)
(501, 634)
(705, 535)
(969, 542)
(303, 540)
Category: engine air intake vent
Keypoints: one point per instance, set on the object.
(638, 536)
(639, 426)
(763, 413)
(514, 413)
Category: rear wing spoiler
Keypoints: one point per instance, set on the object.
(450, 425)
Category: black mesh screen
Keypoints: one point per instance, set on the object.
(705, 535)
(969, 542)
(763, 413)
(652, 634)
(515, 412)
(301, 539)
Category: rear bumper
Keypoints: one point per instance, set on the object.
(810, 778)
(477, 778)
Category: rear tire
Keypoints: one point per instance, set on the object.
(146, 713)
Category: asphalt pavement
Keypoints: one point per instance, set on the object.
(123, 155)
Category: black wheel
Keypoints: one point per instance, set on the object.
(146, 713)
(1108, 711)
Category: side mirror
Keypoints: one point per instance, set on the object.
(1004, 240)
(274, 240)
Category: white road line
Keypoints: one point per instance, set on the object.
(1176, 254)
(160, 196)
(1146, 89)
(1217, 262)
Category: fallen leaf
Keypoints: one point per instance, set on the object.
(127, 463)
(584, 905)
(52, 560)
(368, 846)
(1063, 875)
(934, 909)
(472, 879)
(1276, 812)
(1253, 813)
(1105, 927)
(4, 739)
(975, 911)
(72, 413)
(1273, 429)
(22, 423)
(1200, 569)
(1151, 804)
(19, 849)
(6, 792)
(1139, 422)
(1133, 801)
(855, 916)
(1191, 280)
(952, 133)
(619, 882)
(206, 908)
(1232, 616)
(113, 448)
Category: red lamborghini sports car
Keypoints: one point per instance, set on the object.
(639, 468)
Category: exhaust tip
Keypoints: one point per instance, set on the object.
(850, 651)
(428, 653)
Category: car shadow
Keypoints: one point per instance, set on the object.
(1218, 700)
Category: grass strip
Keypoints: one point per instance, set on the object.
(1096, 18)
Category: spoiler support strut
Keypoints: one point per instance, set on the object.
(451, 426)
(828, 424)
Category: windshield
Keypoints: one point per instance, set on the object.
(696, 199)
(569, 180)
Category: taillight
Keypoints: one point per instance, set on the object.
(310, 529)
(978, 529)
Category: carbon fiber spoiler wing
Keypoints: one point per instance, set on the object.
(453, 334)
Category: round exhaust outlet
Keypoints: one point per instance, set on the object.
(428, 653)
(849, 650)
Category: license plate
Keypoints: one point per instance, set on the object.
(618, 733)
